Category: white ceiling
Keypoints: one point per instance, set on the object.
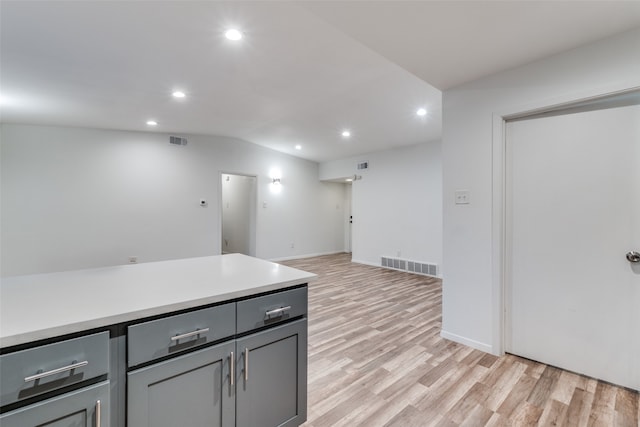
(304, 71)
(448, 43)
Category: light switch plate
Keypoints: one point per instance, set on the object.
(463, 197)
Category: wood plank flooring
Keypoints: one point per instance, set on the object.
(376, 358)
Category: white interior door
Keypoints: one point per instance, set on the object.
(573, 212)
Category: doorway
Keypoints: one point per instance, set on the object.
(348, 220)
(572, 297)
(238, 213)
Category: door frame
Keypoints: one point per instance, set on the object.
(254, 215)
(348, 235)
(500, 236)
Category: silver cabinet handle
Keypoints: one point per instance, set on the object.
(98, 407)
(232, 369)
(278, 311)
(190, 334)
(246, 364)
(41, 375)
(633, 256)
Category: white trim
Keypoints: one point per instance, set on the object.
(357, 261)
(498, 233)
(288, 258)
(523, 110)
(468, 342)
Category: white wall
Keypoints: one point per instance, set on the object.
(472, 161)
(397, 205)
(79, 198)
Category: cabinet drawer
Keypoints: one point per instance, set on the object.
(271, 309)
(88, 406)
(37, 370)
(171, 335)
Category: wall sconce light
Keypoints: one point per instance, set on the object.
(276, 184)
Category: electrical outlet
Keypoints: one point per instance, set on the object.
(463, 197)
(133, 260)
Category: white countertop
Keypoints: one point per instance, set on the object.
(49, 305)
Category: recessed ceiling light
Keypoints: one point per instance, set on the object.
(233, 34)
(421, 112)
(178, 94)
(346, 133)
(152, 123)
(298, 147)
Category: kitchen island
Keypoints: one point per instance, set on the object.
(156, 344)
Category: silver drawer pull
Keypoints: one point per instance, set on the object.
(98, 413)
(190, 334)
(232, 369)
(246, 364)
(278, 311)
(71, 367)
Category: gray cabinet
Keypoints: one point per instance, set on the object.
(51, 370)
(179, 333)
(241, 363)
(271, 310)
(35, 371)
(269, 367)
(272, 377)
(87, 407)
(192, 390)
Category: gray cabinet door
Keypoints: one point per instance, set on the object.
(80, 408)
(273, 390)
(188, 391)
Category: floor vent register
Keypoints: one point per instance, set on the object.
(410, 266)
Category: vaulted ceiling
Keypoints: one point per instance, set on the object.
(302, 74)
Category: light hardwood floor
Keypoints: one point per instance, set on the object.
(376, 358)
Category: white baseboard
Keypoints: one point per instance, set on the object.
(467, 341)
(287, 258)
(357, 261)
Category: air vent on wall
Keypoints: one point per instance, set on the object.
(176, 140)
(410, 266)
(363, 165)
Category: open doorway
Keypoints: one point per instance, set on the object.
(238, 214)
(348, 232)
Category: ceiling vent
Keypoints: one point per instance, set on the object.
(176, 140)
(363, 165)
